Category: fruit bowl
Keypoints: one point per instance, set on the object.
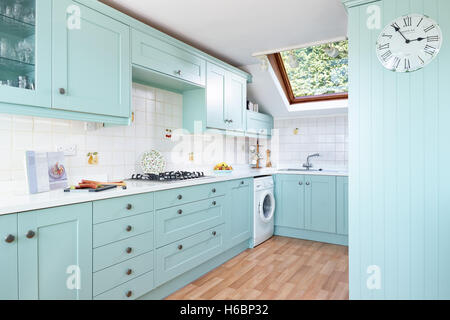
(222, 172)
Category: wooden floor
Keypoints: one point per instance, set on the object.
(280, 268)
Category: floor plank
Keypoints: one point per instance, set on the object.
(281, 268)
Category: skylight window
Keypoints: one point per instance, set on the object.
(315, 73)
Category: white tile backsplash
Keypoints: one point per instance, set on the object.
(120, 148)
(327, 135)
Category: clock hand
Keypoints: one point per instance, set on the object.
(397, 29)
(418, 39)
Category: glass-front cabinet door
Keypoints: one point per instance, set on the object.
(25, 52)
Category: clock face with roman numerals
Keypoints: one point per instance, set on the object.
(409, 43)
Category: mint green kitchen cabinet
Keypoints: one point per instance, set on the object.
(258, 124)
(290, 201)
(320, 203)
(33, 61)
(215, 97)
(91, 68)
(158, 55)
(9, 289)
(235, 102)
(178, 257)
(307, 207)
(55, 253)
(240, 211)
(226, 98)
(342, 205)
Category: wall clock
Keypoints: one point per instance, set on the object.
(409, 43)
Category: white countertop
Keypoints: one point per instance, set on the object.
(13, 203)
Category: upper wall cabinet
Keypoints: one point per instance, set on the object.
(259, 124)
(25, 53)
(152, 53)
(91, 61)
(226, 96)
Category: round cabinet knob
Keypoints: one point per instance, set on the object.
(62, 91)
(214, 203)
(180, 211)
(231, 121)
(214, 233)
(10, 238)
(30, 234)
(178, 72)
(300, 183)
(308, 183)
(129, 272)
(129, 250)
(242, 182)
(129, 206)
(180, 247)
(180, 197)
(129, 294)
(214, 190)
(129, 228)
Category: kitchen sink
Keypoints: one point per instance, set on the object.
(301, 170)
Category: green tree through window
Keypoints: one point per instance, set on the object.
(322, 69)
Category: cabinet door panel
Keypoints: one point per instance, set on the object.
(8, 258)
(290, 201)
(342, 205)
(215, 97)
(48, 261)
(38, 68)
(164, 57)
(241, 211)
(91, 63)
(235, 101)
(321, 203)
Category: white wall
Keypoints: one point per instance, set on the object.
(120, 148)
(327, 135)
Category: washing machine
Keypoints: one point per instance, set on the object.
(264, 209)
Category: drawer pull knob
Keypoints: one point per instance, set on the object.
(214, 233)
(10, 238)
(129, 294)
(129, 272)
(62, 91)
(180, 197)
(129, 228)
(214, 190)
(180, 211)
(214, 203)
(242, 182)
(129, 206)
(180, 247)
(308, 183)
(178, 72)
(300, 183)
(129, 250)
(30, 234)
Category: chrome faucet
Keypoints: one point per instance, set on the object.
(308, 165)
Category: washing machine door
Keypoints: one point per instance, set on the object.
(266, 206)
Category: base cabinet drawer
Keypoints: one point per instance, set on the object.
(117, 252)
(116, 230)
(183, 221)
(114, 276)
(130, 290)
(175, 197)
(179, 257)
(116, 208)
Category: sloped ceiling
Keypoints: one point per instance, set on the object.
(232, 30)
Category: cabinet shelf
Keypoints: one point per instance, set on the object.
(16, 28)
(15, 67)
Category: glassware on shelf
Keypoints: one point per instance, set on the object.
(18, 12)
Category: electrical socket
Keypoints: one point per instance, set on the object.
(69, 150)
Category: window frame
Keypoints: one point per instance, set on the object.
(278, 65)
